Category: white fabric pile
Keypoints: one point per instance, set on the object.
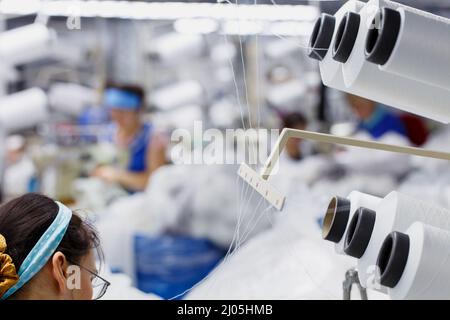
(201, 201)
(289, 261)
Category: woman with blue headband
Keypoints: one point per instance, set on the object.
(47, 252)
(145, 151)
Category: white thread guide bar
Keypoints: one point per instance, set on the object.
(273, 196)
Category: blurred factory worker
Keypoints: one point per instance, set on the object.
(47, 252)
(293, 146)
(145, 150)
(375, 119)
(20, 171)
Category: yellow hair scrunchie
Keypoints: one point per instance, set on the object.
(8, 273)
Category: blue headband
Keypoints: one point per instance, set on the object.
(43, 250)
(120, 99)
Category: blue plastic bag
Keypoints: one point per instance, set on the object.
(168, 265)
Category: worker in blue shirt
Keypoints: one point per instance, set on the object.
(376, 119)
(145, 150)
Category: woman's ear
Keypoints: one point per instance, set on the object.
(59, 271)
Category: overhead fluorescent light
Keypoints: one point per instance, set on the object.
(196, 26)
(160, 11)
(243, 27)
(291, 28)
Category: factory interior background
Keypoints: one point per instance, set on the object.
(138, 116)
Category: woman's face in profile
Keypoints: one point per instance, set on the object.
(124, 118)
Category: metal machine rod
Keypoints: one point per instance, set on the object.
(287, 133)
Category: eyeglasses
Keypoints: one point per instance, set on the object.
(99, 284)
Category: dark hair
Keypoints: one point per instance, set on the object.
(294, 119)
(25, 219)
(132, 88)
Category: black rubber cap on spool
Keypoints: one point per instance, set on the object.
(359, 232)
(382, 36)
(320, 40)
(392, 258)
(336, 219)
(346, 34)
